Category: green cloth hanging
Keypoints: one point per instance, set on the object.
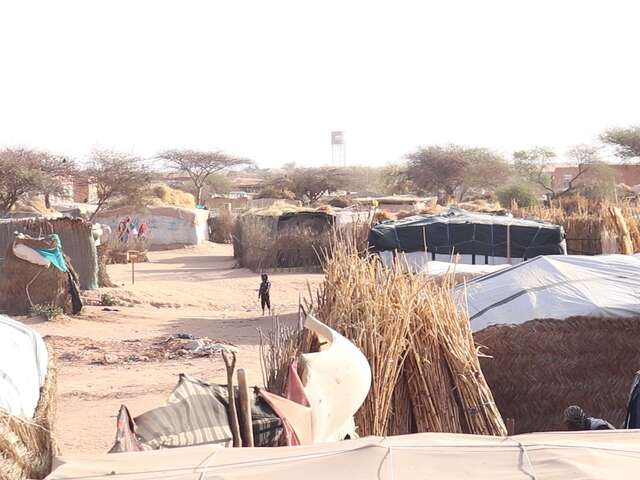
(54, 255)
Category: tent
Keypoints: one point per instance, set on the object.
(23, 367)
(554, 287)
(585, 455)
(478, 238)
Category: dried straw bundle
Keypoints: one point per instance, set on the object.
(406, 326)
(448, 391)
(537, 369)
(27, 447)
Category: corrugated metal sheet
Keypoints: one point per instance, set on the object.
(76, 237)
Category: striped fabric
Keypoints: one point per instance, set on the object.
(195, 414)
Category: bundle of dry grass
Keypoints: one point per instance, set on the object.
(591, 228)
(537, 369)
(27, 447)
(24, 285)
(415, 340)
(162, 194)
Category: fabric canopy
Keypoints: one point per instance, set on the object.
(23, 367)
(558, 286)
(561, 455)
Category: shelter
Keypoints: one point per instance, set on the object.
(590, 455)
(166, 225)
(34, 272)
(478, 238)
(558, 286)
(77, 237)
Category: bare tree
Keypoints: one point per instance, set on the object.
(57, 170)
(199, 166)
(21, 174)
(625, 140)
(116, 175)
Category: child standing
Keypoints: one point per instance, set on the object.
(264, 293)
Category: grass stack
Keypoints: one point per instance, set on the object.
(426, 374)
(27, 447)
(537, 369)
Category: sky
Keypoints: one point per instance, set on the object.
(269, 79)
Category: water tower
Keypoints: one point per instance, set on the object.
(338, 151)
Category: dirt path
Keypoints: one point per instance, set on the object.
(107, 358)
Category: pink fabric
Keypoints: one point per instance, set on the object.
(294, 390)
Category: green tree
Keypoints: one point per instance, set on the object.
(21, 175)
(626, 141)
(522, 193)
(532, 166)
(452, 170)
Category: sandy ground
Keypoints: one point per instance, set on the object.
(109, 358)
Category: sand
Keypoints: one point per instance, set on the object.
(104, 356)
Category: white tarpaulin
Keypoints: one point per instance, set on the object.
(556, 286)
(612, 455)
(23, 367)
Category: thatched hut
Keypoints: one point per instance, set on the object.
(537, 369)
(282, 237)
(26, 282)
(77, 238)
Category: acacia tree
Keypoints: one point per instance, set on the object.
(454, 169)
(57, 169)
(21, 174)
(532, 166)
(309, 184)
(199, 166)
(626, 141)
(116, 175)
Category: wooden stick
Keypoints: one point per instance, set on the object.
(246, 422)
(232, 412)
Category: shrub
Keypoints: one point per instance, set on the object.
(48, 311)
(523, 195)
(108, 300)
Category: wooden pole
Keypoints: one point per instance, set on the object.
(246, 422)
(232, 412)
(509, 244)
(624, 236)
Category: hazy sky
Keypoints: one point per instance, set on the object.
(270, 79)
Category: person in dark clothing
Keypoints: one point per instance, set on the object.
(264, 294)
(575, 419)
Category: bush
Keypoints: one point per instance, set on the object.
(48, 311)
(108, 300)
(523, 195)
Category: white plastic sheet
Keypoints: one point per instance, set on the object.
(557, 286)
(23, 367)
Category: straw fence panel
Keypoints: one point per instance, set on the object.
(541, 367)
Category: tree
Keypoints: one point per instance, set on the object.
(532, 166)
(587, 157)
(395, 179)
(522, 193)
(218, 184)
(21, 174)
(56, 169)
(200, 165)
(453, 169)
(307, 184)
(626, 141)
(116, 175)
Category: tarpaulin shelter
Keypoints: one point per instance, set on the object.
(585, 455)
(477, 238)
(558, 286)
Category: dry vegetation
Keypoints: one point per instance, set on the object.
(415, 340)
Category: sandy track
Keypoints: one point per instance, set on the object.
(192, 290)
